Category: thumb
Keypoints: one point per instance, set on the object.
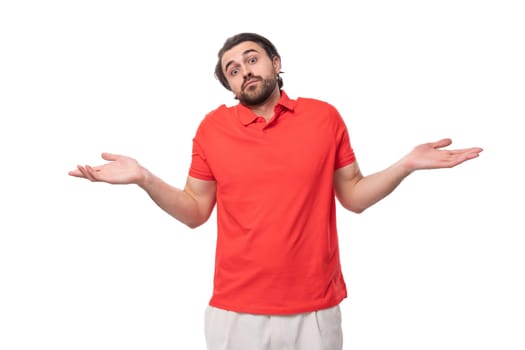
(442, 143)
(109, 156)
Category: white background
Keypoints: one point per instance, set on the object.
(438, 264)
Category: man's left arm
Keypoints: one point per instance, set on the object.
(356, 192)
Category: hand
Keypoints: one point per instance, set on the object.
(119, 170)
(430, 156)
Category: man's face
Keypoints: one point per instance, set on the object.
(250, 72)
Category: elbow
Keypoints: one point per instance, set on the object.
(355, 209)
(194, 224)
(351, 206)
(351, 202)
(196, 221)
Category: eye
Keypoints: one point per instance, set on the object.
(252, 60)
(234, 71)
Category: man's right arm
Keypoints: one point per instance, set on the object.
(192, 205)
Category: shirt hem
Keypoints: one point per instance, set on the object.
(277, 311)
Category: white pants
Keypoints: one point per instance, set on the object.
(318, 330)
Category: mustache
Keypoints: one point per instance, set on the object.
(250, 78)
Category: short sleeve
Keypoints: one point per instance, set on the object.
(344, 153)
(199, 166)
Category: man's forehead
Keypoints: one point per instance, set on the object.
(239, 50)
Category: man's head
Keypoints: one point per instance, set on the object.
(249, 66)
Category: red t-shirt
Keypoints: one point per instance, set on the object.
(277, 246)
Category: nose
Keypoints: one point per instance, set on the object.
(247, 75)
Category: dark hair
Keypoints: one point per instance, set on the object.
(236, 40)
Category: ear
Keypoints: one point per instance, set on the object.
(276, 61)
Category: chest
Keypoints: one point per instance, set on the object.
(290, 150)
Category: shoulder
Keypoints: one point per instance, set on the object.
(317, 107)
(217, 115)
(317, 104)
(216, 121)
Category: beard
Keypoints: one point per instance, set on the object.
(254, 95)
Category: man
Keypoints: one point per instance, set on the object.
(274, 167)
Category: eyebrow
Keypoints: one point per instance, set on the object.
(244, 54)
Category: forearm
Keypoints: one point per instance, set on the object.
(373, 188)
(357, 192)
(178, 203)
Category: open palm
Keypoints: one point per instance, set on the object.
(432, 155)
(119, 170)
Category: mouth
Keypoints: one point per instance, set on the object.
(249, 83)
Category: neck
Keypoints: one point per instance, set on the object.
(266, 109)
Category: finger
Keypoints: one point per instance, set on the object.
(76, 173)
(93, 174)
(442, 143)
(472, 155)
(85, 172)
(110, 156)
(475, 150)
(457, 158)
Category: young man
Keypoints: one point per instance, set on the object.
(274, 167)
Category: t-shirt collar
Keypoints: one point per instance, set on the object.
(247, 117)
